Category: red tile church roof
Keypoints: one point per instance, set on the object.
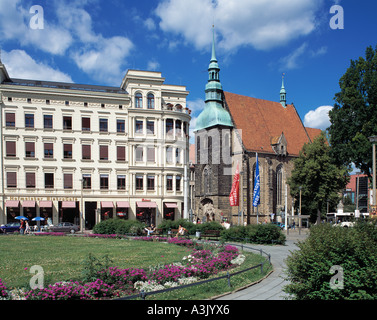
(262, 121)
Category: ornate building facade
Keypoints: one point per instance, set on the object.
(85, 153)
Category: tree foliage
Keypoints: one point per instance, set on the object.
(319, 178)
(354, 116)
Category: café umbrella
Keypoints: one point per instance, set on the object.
(38, 219)
(21, 217)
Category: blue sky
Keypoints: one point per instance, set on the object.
(95, 42)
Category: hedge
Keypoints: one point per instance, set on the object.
(119, 226)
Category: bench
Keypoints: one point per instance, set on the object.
(174, 233)
(211, 234)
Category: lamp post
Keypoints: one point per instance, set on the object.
(373, 140)
(299, 214)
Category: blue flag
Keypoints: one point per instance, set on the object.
(256, 195)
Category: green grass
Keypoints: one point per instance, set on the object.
(62, 259)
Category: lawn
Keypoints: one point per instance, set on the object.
(62, 259)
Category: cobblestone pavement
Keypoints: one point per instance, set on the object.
(271, 288)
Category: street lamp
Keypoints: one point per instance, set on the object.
(373, 140)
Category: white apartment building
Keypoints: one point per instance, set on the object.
(85, 153)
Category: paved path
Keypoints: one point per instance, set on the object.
(271, 287)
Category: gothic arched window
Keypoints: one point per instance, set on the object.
(279, 185)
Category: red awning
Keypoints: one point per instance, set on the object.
(12, 203)
(123, 204)
(68, 204)
(28, 204)
(171, 205)
(146, 204)
(107, 204)
(45, 204)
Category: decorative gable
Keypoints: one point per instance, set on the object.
(279, 145)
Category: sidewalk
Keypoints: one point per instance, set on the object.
(271, 288)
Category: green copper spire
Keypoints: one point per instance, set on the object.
(213, 113)
(283, 93)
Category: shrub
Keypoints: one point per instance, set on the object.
(262, 233)
(165, 225)
(118, 226)
(353, 249)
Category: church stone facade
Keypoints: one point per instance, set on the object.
(230, 131)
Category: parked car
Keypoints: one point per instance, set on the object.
(10, 227)
(65, 227)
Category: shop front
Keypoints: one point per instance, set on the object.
(169, 210)
(122, 209)
(69, 211)
(146, 212)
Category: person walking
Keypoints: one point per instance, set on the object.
(22, 226)
(27, 227)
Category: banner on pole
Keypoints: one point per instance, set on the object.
(256, 194)
(234, 193)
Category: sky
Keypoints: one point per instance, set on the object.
(95, 42)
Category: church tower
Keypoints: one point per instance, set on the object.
(213, 134)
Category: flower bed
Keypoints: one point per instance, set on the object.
(115, 282)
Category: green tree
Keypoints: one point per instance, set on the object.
(354, 116)
(319, 178)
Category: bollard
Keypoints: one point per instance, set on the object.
(261, 268)
(143, 294)
(228, 276)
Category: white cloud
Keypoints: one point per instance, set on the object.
(153, 65)
(262, 24)
(20, 65)
(318, 118)
(291, 61)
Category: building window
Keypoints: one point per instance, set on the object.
(121, 153)
(103, 152)
(11, 179)
(103, 125)
(150, 99)
(68, 179)
(139, 182)
(121, 126)
(10, 120)
(178, 130)
(10, 147)
(47, 121)
(104, 181)
(139, 153)
(178, 183)
(49, 150)
(169, 154)
(138, 100)
(139, 126)
(121, 182)
(86, 152)
(29, 120)
(49, 180)
(85, 124)
(151, 154)
(150, 182)
(178, 155)
(279, 185)
(169, 126)
(67, 151)
(30, 179)
(150, 127)
(67, 123)
(169, 183)
(86, 181)
(29, 149)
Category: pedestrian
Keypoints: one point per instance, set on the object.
(22, 226)
(27, 227)
(181, 231)
(294, 225)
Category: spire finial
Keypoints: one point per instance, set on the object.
(213, 57)
(283, 93)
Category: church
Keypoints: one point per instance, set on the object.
(230, 132)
